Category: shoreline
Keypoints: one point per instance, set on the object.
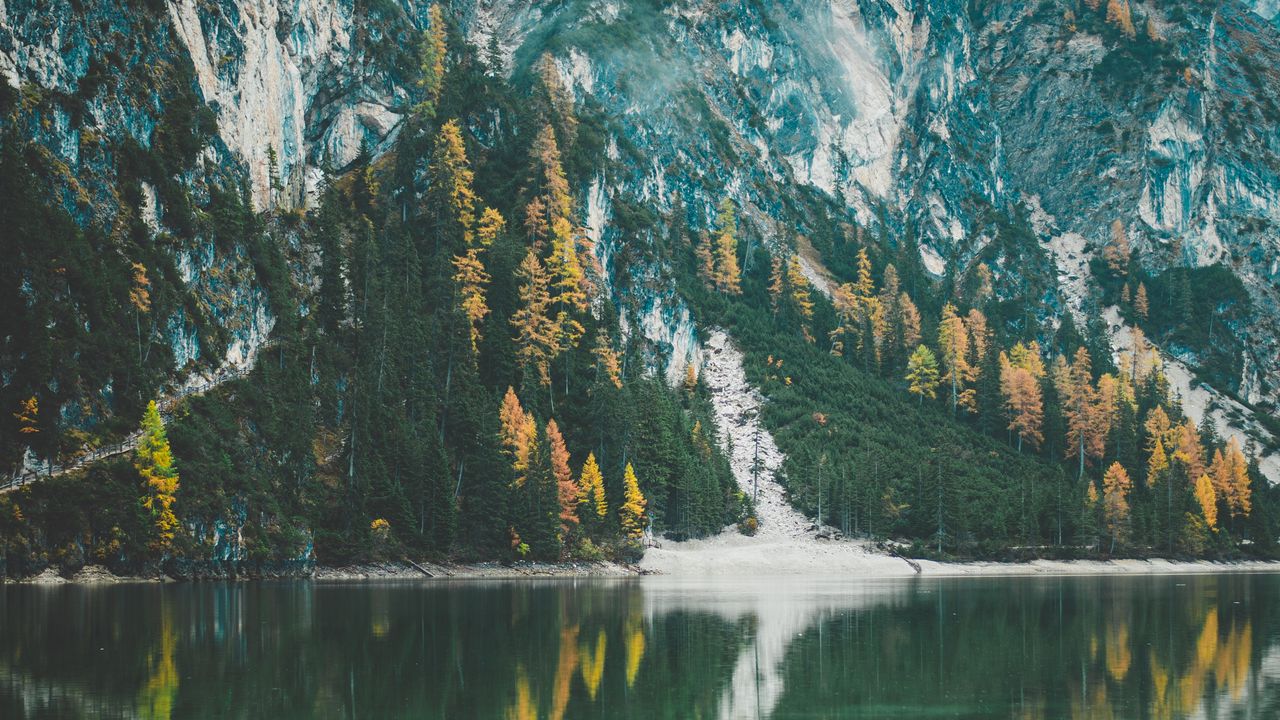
(400, 571)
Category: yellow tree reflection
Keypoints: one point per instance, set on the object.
(525, 706)
(593, 665)
(633, 643)
(155, 700)
(565, 667)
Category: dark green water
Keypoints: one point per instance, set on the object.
(1112, 647)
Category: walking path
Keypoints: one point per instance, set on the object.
(195, 384)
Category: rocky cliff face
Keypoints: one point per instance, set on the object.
(924, 119)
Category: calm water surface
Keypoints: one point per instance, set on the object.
(1110, 647)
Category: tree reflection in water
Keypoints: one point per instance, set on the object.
(1103, 647)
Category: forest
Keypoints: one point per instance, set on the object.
(446, 376)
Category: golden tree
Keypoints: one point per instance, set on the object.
(706, 264)
(472, 279)
(1140, 303)
(518, 433)
(1086, 426)
(800, 295)
(727, 275)
(451, 197)
(592, 484)
(1115, 498)
(1117, 252)
(777, 281)
(1188, 450)
(632, 512)
(979, 340)
(28, 416)
(1230, 475)
(953, 340)
(864, 288)
(910, 321)
(1118, 14)
(1020, 374)
(1157, 463)
(537, 335)
(431, 62)
(607, 361)
(154, 462)
(690, 377)
(1208, 500)
(984, 287)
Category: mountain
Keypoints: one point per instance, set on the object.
(193, 188)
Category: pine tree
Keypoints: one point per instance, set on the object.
(1118, 14)
(632, 512)
(1086, 433)
(727, 275)
(1231, 479)
(28, 416)
(1116, 487)
(1117, 252)
(592, 483)
(537, 336)
(800, 296)
(706, 264)
(777, 282)
(979, 340)
(1020, 386)
(552, 101)
(518, 433)
(450, 197)
(154, 463)
(607, 362)
(984, 288)
(1188, 450)
(953, 340)
(568, 493)
(922, 373)
(1140, 305)
(1208, 500)
(472, 279)
(431, 64)
(539, 520)
(864, 287)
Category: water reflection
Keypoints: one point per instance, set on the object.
(1156, 647)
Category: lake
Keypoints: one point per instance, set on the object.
(645, 648)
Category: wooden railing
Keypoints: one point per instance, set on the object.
(165, 405)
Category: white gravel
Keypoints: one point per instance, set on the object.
(785, 544)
